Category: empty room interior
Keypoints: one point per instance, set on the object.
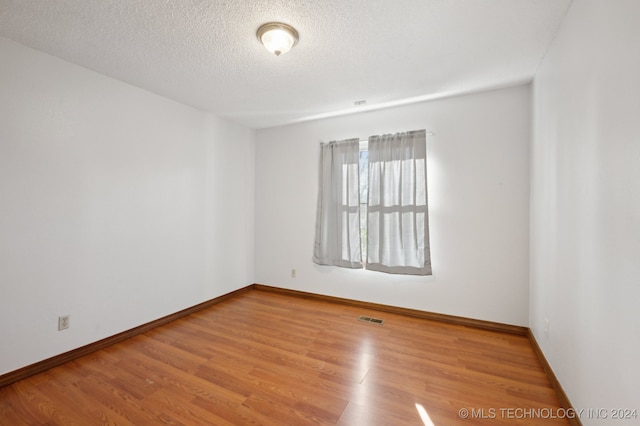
(167, 255)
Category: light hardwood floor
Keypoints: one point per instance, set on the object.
(274, 359)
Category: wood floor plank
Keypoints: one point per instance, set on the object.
(306, 393)
(356, 414)
(263, 358)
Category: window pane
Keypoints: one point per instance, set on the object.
(364, 176)
(364, 193)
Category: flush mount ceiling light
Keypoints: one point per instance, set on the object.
(278, 38)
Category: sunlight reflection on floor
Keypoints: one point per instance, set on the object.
(423, 415)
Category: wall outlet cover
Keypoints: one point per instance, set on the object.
(64, 322)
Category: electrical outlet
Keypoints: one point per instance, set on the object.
(64, 322)
(546, 328)
(293, 273)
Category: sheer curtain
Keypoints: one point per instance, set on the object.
(337, 239)
(397, 217)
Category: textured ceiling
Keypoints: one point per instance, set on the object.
(205, 53)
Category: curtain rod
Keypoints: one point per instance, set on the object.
(367, 138)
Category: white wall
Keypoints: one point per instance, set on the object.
(585, 206)
(115, 206)
(478, 171)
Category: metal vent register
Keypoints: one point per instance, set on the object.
(369, 319)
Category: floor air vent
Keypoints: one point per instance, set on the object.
(369, 319)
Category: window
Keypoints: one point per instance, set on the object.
(364, 194)
(372, 205)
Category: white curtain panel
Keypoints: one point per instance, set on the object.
(397, 214)
(337, 239)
